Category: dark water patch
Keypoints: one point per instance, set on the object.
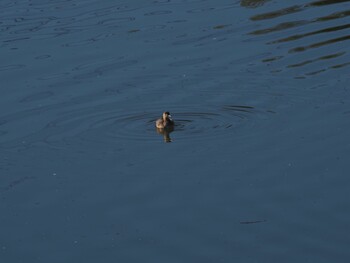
(161, 1)
(279, 27)
(115, 21)
(315, 72)
(270, 59)
(303, 63)
(327, 68)
(333, 16)
(42, 57)
(341, 65)
(200, 10)
(253, 3)
(292, 24)
(221, 26)
(15, 39)
(327, 2)
(252, 222)
(239, 108)
(16, 183)
(134, 30)
(293, 9)
(321, 31)
(177, 21)
(158, 12)
(319, 44)
(278, 13)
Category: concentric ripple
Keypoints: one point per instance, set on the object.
(109, 123)
(191, 123)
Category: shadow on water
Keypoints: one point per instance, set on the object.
(327, 32)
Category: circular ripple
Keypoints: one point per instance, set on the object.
(191, 123)
(109, 123)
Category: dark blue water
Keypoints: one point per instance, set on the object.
(258, 163)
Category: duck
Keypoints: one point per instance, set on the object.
(165, 122)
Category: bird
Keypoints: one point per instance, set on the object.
(165, 122)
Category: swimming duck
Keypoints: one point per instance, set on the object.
(165, 122)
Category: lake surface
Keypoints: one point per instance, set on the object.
(257, 169)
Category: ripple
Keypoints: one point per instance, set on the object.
(115, 21)
(159, 12)
(299, 36)
(12, 67)
(323, 28)
(320, 44)
(253, 3)
(191, 123)
(107, 124)
(303, 63)
(201, 10)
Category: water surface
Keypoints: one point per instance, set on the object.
(257, 167)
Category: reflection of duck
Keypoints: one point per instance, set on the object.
(166, 133)
(165, 122)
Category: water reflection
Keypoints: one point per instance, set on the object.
(320, 44)
(253, 3)
(166, 133)
(331, 27)
(294, 9)
(303, 63)
(299, 36)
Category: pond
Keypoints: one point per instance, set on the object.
(255, 169)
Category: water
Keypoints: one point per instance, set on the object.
(256, 170)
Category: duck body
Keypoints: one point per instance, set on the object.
(165, 122)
